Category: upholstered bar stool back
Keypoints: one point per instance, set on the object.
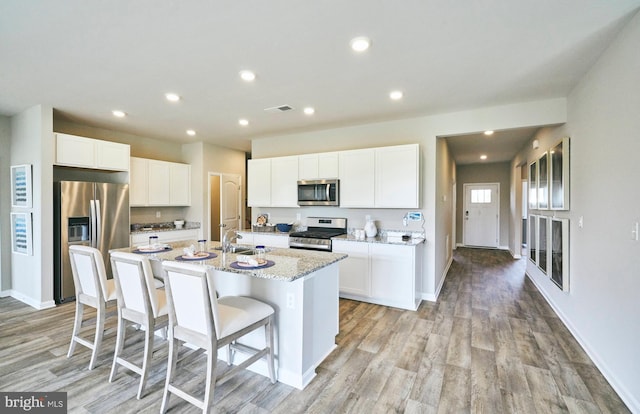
(139, 302)
(92, 289)
(198, 317)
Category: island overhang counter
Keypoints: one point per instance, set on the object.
(301, 285)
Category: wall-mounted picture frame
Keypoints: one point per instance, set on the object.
(543, 182)
(533, 238)
(533, 185)
(543, 242)
(21, 190)
(559, 175)
(21, 233)
(559, 257)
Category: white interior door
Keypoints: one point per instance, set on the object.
(230, 203)
(481, 215)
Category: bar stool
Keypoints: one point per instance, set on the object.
(140, 302)
(198, 317)
(92, 289)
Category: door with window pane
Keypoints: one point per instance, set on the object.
(481, 215)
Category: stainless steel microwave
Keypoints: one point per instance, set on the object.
(319, 193)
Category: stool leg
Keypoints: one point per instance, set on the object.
(76, 327)
(148, 350)
(119, 346)
(269, 341)
(171, 369)
(212, 358)
(98, 337)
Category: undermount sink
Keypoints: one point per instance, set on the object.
(249, 251)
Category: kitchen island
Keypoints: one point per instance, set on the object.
(302, 287)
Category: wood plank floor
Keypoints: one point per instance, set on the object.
(491, 344)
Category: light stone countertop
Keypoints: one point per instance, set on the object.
(381, 239)
(164, 227)
(290, 264)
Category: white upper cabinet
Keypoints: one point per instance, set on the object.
(318, 166)
(357, 174)
(259, 183)
(397, 177)
(273, 182)
(159, 183)
(75, 151)
(138, 182)
(179, 184)
(384, 177)
(284, 182)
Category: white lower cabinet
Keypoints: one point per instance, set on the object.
(142, 239)
(381, 273)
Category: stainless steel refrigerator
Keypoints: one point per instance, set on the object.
(90, 214)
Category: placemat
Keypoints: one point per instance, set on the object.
(235, 265)
(185, 258)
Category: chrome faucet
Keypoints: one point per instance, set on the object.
(226, 241)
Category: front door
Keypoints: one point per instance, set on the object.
(230, 203)
(481, 215)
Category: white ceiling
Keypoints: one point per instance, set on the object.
(86, 58)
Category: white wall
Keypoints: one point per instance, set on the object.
(601, 307)
(32, 143)
(424, 131)
(5, 206)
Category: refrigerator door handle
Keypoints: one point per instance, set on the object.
(94, 224)
(98, 224)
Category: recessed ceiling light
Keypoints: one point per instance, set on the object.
(118, 113)
(247, 75)
(243, 122)
(396, 95)
(309, 110)
(172, 97)
(191, 132)
(360, 43)
(488, 132)
(483, 157)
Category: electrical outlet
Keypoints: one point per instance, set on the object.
(158, 214)
(414, 216)
(291, 301)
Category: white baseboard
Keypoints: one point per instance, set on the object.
(483, 247)
(31, 301)
(433, 297)
(629, 399)
(5, 293)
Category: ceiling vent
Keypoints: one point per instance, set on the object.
(281, 108)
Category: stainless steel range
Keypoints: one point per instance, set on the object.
(319, 232)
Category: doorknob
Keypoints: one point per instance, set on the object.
(222, 225)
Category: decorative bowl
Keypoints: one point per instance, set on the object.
(283, 227)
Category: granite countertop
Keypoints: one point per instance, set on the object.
(414, 241)
(157, 227)
(290, 264)
(275, 232)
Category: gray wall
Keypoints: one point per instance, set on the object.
(497, 172)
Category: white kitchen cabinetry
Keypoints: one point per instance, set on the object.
(159, 183)
(75, 151)
(354, 270)
(259, 182)
(357, 178)
(284, 182)
(381, 273)
(397, 176)
(142, 239)
(318, 166)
